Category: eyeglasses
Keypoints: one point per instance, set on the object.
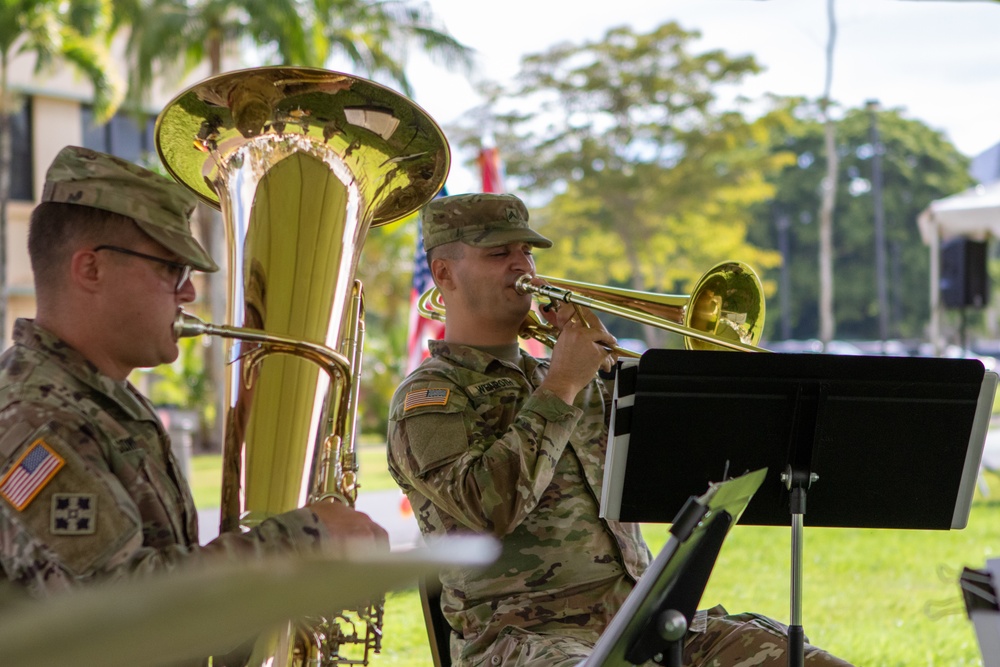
(183, 271)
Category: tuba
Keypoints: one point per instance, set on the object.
(302, 163)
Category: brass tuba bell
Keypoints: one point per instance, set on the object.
(301, 162)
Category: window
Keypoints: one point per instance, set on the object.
(125, 135)
(21, 185)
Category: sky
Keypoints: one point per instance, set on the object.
(936, 60)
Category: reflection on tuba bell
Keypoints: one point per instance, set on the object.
(724, 311)
(301, 162)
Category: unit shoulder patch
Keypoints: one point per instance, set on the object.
(73, 514)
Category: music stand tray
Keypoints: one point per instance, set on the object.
(668, 593)
(888, 442)
(874, 442)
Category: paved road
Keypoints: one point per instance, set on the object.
(385, 507)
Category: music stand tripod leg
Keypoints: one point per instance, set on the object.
(672, 628)
(797, 482)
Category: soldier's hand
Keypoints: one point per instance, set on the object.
(352, 531)
(577, 355)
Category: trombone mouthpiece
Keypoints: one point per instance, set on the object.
(521, 285)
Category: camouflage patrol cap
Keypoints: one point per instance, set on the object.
(482, 220)
(160, 207)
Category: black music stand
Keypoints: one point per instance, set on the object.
(875, 442)
(981, 594)
(654, 619)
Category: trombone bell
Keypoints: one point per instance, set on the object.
(728, 302)
(725, 310)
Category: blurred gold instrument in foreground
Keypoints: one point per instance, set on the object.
(171, 618)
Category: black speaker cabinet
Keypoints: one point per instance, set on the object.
(964, 279)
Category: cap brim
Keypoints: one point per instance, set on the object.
(505, 236)
(183, 245)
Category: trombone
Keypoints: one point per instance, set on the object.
(724, 311)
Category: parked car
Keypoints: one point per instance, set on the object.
(813, 346)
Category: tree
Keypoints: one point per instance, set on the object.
(167, 38)
(826, 206)
(919, 165)
(646, 182)
(385, 269)
(54, 32)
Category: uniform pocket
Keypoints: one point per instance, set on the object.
(516, 647)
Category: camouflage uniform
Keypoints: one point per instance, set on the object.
(89, 489)
(478, 447)
(116, 504)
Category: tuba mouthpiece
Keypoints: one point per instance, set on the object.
(187, 325)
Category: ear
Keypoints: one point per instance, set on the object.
(86, 270)
(443, 275)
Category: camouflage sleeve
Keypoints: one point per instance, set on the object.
(78, 523)
(298, 531)
(294, 532)
(486, 480)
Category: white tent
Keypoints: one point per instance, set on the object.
(975, 214)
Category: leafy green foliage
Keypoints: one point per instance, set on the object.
(648, 182)
(919, 165)
(181, 384)
(57, 33)
(168, 38)
(386, 271)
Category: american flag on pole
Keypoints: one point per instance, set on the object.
(30, 474)
(491, 171)
(421, 329)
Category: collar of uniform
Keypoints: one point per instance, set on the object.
(510, 353)
(467, 356)
(34, 337)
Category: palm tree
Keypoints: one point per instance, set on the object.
(168, 39)
(74, 32)
(376, 36)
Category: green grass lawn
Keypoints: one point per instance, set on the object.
(879, 598)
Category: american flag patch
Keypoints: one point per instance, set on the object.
(421, 397)
(30, 474)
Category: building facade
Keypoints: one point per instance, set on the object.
(52, 111)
